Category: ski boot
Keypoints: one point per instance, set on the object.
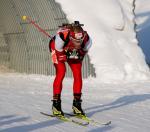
(77, 108)
(56, 107)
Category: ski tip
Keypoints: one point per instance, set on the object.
(50, 115)
(108, 123)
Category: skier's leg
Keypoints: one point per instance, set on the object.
(77, 75)
(60, 73)
(77, 88)
(57, 88)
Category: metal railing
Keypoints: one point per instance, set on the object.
(22, 47)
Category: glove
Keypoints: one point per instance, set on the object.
(61, 56)
(72, 54)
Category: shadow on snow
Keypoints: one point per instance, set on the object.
(10, 119)
(122, 101)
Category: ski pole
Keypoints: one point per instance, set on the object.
(36, 25)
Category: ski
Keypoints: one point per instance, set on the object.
(91, 121)
(66, 119)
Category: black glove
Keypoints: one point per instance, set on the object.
(76, 54)
(72, 54)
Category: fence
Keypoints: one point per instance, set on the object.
(22, 47)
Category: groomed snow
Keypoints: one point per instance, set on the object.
(23, 97)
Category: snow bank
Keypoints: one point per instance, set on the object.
(115, 52)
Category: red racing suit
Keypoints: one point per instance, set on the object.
(63, 49)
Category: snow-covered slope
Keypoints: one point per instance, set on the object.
(143, 25)
(115, 52)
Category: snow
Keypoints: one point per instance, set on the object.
(120, 92)
(23, 97)
(115, 52)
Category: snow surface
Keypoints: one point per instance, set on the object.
(115, 53)
(23, 97)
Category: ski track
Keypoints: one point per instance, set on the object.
(22, 97)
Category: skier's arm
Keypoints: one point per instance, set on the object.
(88, 45)
(83, 51)
(59, 43)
